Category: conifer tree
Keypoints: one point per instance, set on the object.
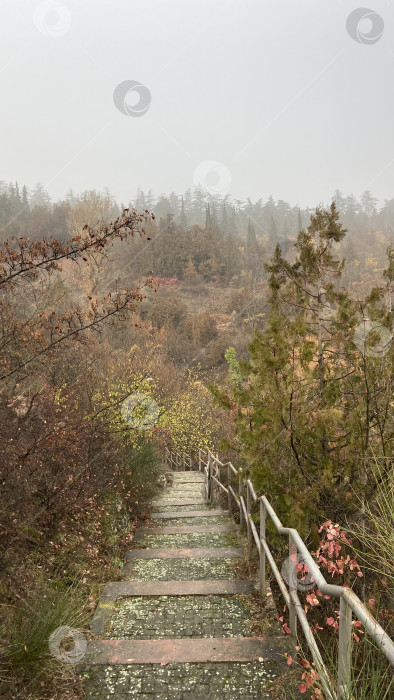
(299, 223)
(251, 234)
(224, 223)
(214, 216)
(183, 217)
(314, 411)
(208, 221)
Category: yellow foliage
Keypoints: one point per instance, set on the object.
(189, 420)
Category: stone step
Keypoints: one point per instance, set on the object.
(114, 592)
(185, 650)
(197, 488)
(121, 589)
(179, 569)
(182, 530)
(195, 480)
(188, 514)
(184, 487)
(191, 472)
(197, 553)
(183, 502)
(182, 495)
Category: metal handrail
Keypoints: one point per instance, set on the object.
(349, 601)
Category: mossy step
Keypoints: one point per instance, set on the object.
(188, 513)
(185, 650)
(194, 522)
(119, 589)
(182, 499)
(141, 532)
(252, 680)
(164, 617)
(182, 493)
(200, 553)
(179, 569)
(179, 502)
(188, 473)
(189, 539)
(127, 589)
(186, 487)
(195, 480)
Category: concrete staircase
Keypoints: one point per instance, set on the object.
(179, 626)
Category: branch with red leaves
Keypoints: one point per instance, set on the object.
(20, 256)
(21, 260)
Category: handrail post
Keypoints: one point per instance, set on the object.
(241, 513)
(292, 586)
(184, 461)
(263, 517)
(344, 650)
(209, 489)
(249, 513)
(229, 499)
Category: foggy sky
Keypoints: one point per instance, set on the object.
(278, 92)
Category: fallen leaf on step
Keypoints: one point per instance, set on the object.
(261, 658)
(164, 663)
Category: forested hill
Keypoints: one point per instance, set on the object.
(204, 236)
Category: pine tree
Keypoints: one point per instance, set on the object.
(299, 223)
(214, 217)
(304, 415)
(273, 230)
(208, 222)
(251, 234)
(182, 216)
(25, 199)
(224, 223)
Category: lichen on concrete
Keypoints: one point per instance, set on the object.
(179, 569)
(191, 540)
(179, 616)
(188, 681)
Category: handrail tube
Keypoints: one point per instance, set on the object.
(276, 572)
(219, 484)
(252, 491)
(370, 623)
(217, 460)
(255, 534)
(243, 505)
(230, 488)
(348, 598)
(233, 469)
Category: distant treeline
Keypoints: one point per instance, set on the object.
(31, 212)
